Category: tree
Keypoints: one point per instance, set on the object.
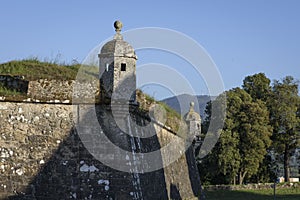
(245, 137)
(284, 115)
(211, 126)
(255, 133)
(258, 86)
(266, 172)
(228, 154)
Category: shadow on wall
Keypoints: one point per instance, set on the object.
(16, 83)
(73, 173)
(193, 172)
(174, 192)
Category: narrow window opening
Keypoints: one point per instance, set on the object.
(123, 67)
(107, 66)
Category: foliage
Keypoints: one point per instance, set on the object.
(284, 107)
(266, 172)
(253, 113)
(244, 139)
(247, 134)
(173, 118)
(4, 91)
(258, 86)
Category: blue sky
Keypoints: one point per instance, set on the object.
(242, 37)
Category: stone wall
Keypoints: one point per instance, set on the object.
(44, 90)
(62, 90)
(29, 136)
(43, 157)
(182, 178)
(257, 186)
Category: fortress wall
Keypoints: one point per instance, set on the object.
(182, 176)
(62, 90)
(29, 135)
(44, 90)
(42, 155)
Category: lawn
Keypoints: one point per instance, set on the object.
(264, 194)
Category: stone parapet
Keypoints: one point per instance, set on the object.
(51, 91)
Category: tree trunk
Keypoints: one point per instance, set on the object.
(241, 177)
(234, 180)
(286, 164)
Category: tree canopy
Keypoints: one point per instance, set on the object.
(284, 104)
(261, 119)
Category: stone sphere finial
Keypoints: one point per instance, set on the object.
(192, 104)
(118, 25)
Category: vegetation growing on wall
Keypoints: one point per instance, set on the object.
(4, 91)
(33, 69)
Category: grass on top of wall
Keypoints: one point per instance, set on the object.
(34, 69)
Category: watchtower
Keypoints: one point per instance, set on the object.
(117, 69)
(193, 121)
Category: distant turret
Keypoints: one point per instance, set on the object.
(193, 121)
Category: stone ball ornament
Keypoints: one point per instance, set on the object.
(118, 25)
(192, 104)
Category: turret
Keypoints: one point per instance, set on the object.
(117, 69)
(193, 121)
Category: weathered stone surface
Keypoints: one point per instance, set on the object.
(46, 90)
(28, 137)
(53, 91)
(43, 157)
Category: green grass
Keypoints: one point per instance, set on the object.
(33, 69)
(6, 91)
(168, 109)
(263, 194)
(11, 95)
(173, 118)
